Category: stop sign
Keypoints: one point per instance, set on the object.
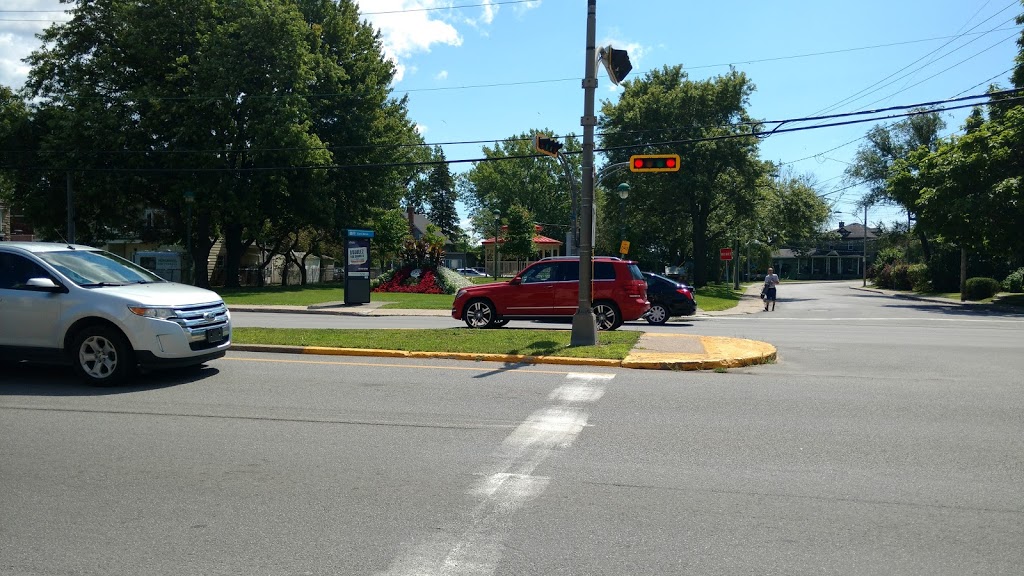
(725, 253)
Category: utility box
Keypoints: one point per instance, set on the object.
(166, 265)
(357, 266)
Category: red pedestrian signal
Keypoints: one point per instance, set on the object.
(654, 163)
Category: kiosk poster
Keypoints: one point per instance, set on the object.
(358, 258)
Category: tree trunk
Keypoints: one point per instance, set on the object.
(700, 248)
(233, 255)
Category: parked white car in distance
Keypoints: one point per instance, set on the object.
(103, 314)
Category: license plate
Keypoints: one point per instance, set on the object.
(214, 334)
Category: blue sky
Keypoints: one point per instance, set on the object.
(484, 70)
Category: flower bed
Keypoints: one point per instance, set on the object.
(410, 280)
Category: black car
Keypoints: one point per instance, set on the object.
(668, 298)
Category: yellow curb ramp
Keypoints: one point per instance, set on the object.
(718, 352)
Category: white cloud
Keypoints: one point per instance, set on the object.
(407, 29)
(442, 75)
(23, 19)
(422, 129)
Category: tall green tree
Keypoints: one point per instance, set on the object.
(887, 144)
(268, 111)
(442, 196)
(518, 238)
(515, 173)
(707, 124)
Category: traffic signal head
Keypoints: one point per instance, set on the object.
(616, 62)
(547, 145)
(654, 163)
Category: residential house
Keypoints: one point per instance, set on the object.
(543, 247)
(838, 259)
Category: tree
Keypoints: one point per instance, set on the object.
(515, 173)
(708, 125)
(390, 231)
(874, 161)
(270, 112)
(789, 211)
(441, 195)
(518, 237)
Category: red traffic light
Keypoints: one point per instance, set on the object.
(654, 163)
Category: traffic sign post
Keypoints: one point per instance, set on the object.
(725, 254)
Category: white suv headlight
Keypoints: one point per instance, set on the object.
(151, 312)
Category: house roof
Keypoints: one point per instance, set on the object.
(419, 227)
(855, 231)
(537, 239)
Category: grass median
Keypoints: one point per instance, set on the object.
(611, 345)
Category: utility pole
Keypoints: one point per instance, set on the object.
(584, 323)
(864, 256)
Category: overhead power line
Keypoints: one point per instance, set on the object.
(911, 110)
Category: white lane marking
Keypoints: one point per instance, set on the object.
(590, 377)
(576, 394)
(476, 549)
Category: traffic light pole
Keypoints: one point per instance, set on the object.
(584, 323)
(574, 245)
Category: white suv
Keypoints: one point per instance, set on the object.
(103, 314)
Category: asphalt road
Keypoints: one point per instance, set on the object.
(888, 439)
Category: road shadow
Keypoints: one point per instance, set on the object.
(953, 309)
(28, 379)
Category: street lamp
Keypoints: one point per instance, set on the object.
(497, 232)
(190, 198)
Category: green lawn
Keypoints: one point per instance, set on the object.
(283, 295)
(716, 297)
(611, 345)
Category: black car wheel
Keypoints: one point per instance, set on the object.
(657, 315)
(102, 356)
(499, 323)
(608, 317)
(479, 314)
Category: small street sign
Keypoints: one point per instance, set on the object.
(725, 253)
(624, 247)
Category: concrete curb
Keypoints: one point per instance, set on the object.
(719, 353)
(988, 306)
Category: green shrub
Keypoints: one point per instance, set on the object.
(981, 288)
(1015, 281)
(450, 280)
(890, 255)
(919, 279)
(900, 276)
(883, 279)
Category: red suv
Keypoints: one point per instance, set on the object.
(550, 288)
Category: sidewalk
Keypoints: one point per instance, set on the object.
(653, 351)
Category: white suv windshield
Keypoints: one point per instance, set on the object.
(95, 268)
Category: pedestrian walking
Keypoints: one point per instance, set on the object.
(771, 280)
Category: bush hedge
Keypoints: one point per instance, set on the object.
(981, 288)
(1015, 281)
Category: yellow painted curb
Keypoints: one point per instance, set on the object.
(719, 352)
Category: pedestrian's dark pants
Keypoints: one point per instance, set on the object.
(769, 296)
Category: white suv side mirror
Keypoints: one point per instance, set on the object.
(44, 285)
